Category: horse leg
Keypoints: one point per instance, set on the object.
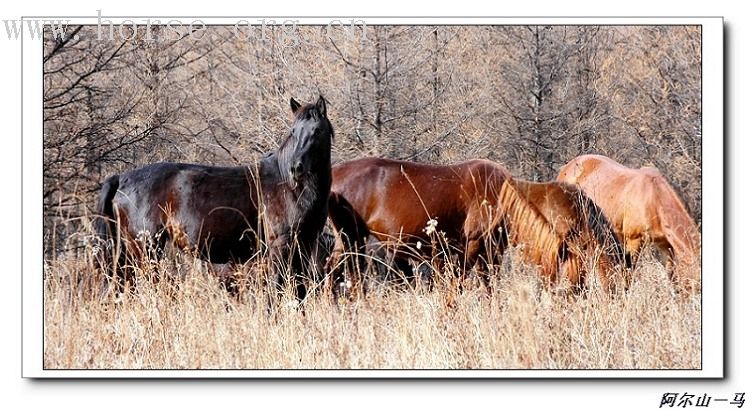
(474, 248)
(141, 247)
(616, 278)
(308, 270)
(225, 274)
(287, 276)
(301, 286)
(405, 271)
(278, 256)
(151, 250)
(352, 235)
(632, 246)
(602, 269)
(667, 254)
(683, 276)
(498, 246)
(291, 273)
(116, 272)
(479, 228)
(425, 275)
(633, 249)
(571, 269)
(332, 267)
(118, 253)
(576, 271)
(385, 267)
(345, 271)
(128, 257)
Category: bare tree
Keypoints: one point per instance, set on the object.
(529, 97)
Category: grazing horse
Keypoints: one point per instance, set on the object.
(224, 213)
(561, 229)
(470, 202)
(643, 208)
(395, 201)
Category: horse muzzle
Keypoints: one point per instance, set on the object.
(296, 173)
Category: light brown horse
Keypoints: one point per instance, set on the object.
(643, 208)
(471, 202)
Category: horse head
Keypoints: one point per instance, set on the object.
(306, 152)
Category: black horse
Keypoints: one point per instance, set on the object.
(225, 213)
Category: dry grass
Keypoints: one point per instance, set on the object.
(191, 322)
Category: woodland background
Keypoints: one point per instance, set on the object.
(528, 97)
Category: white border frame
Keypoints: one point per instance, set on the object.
(712, 340)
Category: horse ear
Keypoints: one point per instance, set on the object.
(294, 105)
(321, 106)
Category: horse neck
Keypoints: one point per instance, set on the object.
(316, 186)
(320, 168)
(318, 183)
(526, 224)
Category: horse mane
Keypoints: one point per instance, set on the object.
(597, 222)
(529, 226)
(546, 242)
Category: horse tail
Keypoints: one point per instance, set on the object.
(600, 227)
(527, 225)
(347, 220)
(105, 222)
(350, 230)
(682, 235)
(677, 224)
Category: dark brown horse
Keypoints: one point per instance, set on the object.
(226, 213)
(643, 208)
(396, 201)
(470, 202)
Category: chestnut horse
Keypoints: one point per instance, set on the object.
(225, 213)
(643, 208)
(470, 202)
(562, 230)
(394, 201)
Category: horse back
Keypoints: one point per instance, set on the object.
(399, 198)
(640, 202)
(210, 208)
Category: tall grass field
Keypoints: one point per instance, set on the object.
(177, 315)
